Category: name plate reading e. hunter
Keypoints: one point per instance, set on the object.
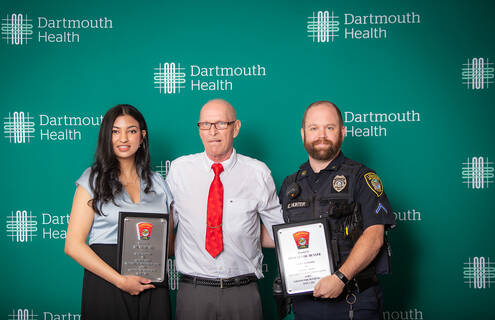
(303, 253)
(142, 245)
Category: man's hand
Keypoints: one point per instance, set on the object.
(328, 287)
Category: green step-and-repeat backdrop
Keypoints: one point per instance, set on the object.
(414, 79)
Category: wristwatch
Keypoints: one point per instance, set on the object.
(341, 276)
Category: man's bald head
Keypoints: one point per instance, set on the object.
(218, 143)
(218, 106)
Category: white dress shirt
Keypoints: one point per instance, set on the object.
(249, 193)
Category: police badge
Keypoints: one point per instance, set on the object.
(339, 183)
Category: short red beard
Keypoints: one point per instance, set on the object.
(323, 153)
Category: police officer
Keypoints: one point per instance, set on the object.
(351, 198)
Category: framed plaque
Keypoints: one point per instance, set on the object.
(303, 253)
(142, 245)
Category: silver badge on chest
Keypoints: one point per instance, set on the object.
(339, 183)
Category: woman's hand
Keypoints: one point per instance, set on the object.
(134, 285)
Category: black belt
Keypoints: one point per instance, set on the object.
(359, 285)
(219, 282)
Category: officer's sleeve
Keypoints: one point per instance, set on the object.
(375, 207)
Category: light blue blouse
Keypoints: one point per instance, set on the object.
(105, 227)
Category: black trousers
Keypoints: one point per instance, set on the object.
(214, 303)
(102, 300)
(368, 306)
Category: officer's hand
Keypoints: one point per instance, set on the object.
(328, 287)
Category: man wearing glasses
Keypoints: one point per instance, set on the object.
(219, 198)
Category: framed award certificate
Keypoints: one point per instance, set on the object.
(303, 253)
(142, 245)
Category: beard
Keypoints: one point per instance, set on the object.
(324, 152)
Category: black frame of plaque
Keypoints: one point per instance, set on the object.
(125, 214)
(277, 249)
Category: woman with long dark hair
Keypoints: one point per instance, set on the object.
(119, 180)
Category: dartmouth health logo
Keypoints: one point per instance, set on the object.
(479, 272)
(478, 73)
(17, 29)
(327, 26)
(21, 226)
(18, 127)
(169, 78)
(30, 314)
(22, 314)
(163, 168)
(477, 172)
(323, 26)
(172, 77)
(22, 127)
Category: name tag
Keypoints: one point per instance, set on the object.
(298, 204)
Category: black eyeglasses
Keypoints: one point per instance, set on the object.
(219, 125)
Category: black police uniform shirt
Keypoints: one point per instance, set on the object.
(368, 191)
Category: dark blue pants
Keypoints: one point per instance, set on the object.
(368, 306)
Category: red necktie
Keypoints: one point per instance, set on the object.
(214, 241)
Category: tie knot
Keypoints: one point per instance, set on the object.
(217, 168)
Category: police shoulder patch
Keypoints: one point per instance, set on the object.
(374, 183)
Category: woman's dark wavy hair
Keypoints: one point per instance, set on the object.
(104, 177)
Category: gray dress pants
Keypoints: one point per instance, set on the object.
(214, 303)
